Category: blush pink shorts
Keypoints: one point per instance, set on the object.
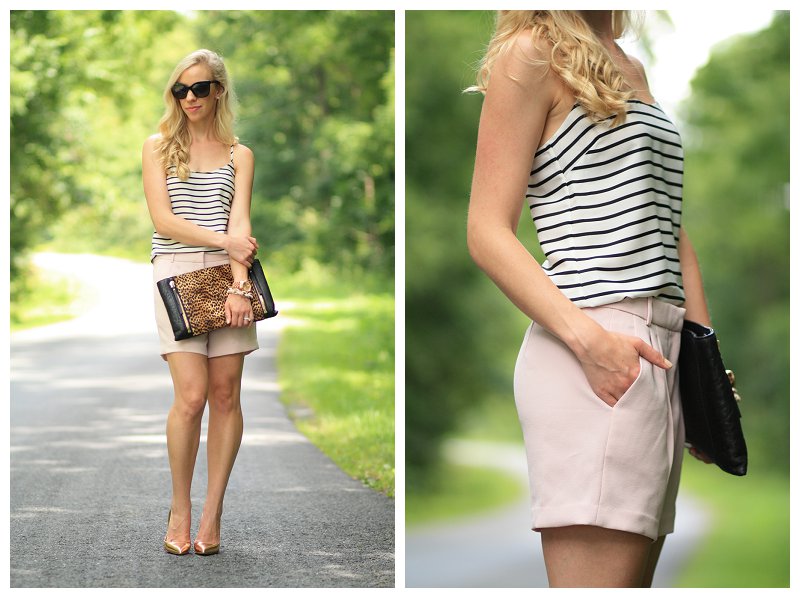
(592, 464)
(225, 341)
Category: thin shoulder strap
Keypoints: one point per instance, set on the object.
(231, 154)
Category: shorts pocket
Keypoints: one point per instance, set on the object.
(628, 324)
(643, 363)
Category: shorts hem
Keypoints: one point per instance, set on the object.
(619, 519)
(222, 354)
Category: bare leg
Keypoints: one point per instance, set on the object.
(652, 561)
(225, 427)
(584, 556)
(189, 377)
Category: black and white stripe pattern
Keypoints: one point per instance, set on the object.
(204, 199)
(606, 203)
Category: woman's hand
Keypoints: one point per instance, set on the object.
(242, 249)
(700, 456)
(611, 363)
(237, 308)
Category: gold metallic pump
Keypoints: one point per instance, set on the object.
(172, 547)
(204, 549)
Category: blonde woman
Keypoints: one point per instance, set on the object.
(569, 124)
(197, 180)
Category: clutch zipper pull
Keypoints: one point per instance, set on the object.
(183, 311)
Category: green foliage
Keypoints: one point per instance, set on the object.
(336, 367)
(748, 543)
(316, 90)
(81, 106)
(317, 107)
(46, 299)
(447, 367)
(453, 491)
(462, 334)
(736, 210)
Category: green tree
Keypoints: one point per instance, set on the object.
(737, 213)
(81, 105)
(317, 107)
(456, 320)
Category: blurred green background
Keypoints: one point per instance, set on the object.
(462, 334)
(316, 91)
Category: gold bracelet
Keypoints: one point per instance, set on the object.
(233, 291)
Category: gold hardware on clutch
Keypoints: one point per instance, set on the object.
(180, 304)
(732, 380)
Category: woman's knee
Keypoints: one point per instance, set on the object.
(225, 383)
(190, 402)
(224, 398)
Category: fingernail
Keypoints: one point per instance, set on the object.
(668, 362)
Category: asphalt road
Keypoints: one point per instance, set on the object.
(90, 484)
(498, 550)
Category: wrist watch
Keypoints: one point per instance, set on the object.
(243, 285)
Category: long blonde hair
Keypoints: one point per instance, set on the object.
(576, 56)
(173, 147)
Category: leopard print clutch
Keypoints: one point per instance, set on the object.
(195, 301)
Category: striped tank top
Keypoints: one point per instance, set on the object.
(203, 199)
(606, 203)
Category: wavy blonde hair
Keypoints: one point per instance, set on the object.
(576, 56)
(173, 147)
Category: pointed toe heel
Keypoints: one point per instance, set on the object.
(175, 547)
(204, 549)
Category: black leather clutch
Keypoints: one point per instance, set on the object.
(195, 301)
(710, 411)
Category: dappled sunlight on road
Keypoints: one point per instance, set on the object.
(119, 291)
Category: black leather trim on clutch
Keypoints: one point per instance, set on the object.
(710, 412)
(259, 281)
(172, 302)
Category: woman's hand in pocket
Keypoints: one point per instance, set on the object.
(611, 363)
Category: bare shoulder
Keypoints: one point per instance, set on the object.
(637, 64)
(532, 47)
(149, 148)
(527, 63)
(243, 154)
(150, 142)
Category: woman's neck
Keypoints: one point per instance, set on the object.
(600, 23)
(202, 131)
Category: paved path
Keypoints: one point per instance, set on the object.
(499, 550)
(90, 477)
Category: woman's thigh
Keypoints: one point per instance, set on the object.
(592, 557)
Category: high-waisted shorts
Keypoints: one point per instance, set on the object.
(592, 464)
(224, 341)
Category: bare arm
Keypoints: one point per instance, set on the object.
(515, 110)
(239, 219)
(236, 307)
(696, 305)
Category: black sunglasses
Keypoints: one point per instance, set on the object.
(200, 89)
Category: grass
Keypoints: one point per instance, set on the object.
(748, 544)
(336, 370)
(459, 491)
(46, 299)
